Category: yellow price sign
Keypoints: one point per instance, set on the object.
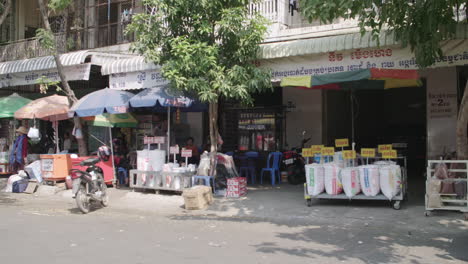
(383, 148)
(368, 152)
(316, 148)
(349, 154)
(328, 151)
(342, 142)
(307, 152)
(389, 154)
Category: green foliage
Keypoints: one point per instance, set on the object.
(206, 47)
(45, 83)
(46, 38)
(57, 5)
(421, 24)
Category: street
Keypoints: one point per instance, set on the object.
(54, 231)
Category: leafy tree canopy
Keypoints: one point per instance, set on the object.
(206, 47)
(421, 24)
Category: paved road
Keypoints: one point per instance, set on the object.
(55, 232)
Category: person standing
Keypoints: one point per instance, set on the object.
(20, 149)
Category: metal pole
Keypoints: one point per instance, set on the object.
(55, 124)
(352, 117)
(168, 132)
(112, 155)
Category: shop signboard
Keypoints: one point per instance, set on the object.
(316, 149)
(153, 140)
(73, 73)
(389, 154)
(385, 147)
(368, 152)
(186, 153)
(349, 154)
(137, 80)
(307, 152)
(342, 142)
(328, 151)
(174, 150)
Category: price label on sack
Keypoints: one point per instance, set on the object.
(328, 151)
(385, 147)
(389, 154)
(316, 149)
(368, 152)
(349, 154)
(342, 142)
(307, 152)
(186, 153)
(174, 150)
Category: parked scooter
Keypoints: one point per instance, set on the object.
(89, 186)
(294, 163)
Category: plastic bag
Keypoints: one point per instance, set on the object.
(11, 180)
(77, 133)
(441, 171)
(33, 133)
(204, 167)
(350, 180)
(315, 179)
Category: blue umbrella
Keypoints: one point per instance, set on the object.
(102, 101)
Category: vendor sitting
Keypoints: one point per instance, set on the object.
(195, 155)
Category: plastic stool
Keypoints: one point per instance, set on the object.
(206, 181)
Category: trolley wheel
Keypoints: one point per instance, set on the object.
(427, 213)
(309, 202)
(396, 205)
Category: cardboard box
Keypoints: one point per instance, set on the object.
(197, 197)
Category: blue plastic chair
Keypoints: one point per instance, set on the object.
(230, 153)
(248, 166)
(273, 166)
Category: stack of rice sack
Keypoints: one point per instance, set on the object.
(382, 177)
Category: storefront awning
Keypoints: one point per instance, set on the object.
(384, 79)
(77, 66)
(133, 73)
(135, 64)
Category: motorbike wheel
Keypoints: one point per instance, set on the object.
(82, 201)
(105, 196)
(295, 175)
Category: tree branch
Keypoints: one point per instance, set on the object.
(5, 12)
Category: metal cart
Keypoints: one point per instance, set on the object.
(448, 201)
(395, 202)
(158, 180)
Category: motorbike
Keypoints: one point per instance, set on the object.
(89, 186)
(294, 163)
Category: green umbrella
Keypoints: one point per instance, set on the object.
(10, 104)
(114, 120)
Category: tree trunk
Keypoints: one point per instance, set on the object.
(82, 148)
(462, 123)
(6, 11)
(213, 113)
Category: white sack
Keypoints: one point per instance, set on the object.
(11, 180)
(350, 181)
(390, 180)
(333, 184)
(315, 179)
(370, 179)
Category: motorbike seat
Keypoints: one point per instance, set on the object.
(90, 162)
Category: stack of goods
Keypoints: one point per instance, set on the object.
(350, 181)
(236, 187)
(197, 197)
(333, 184)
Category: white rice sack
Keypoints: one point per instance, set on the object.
(333, 184)
(390, 180)
(370, 179)
(384, 162)
(350, 181)
(338, 159)
(11, 180)
(315, 179)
